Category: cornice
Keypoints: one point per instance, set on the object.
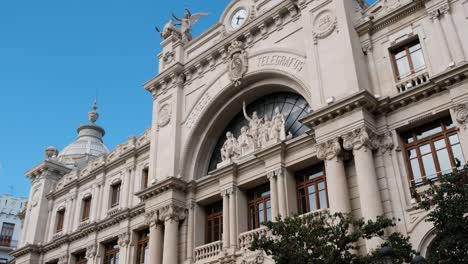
(171, 183)
(365, 100)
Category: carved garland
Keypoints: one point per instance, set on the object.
(461, 114)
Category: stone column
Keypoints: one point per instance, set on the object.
(362, 141)
(155, 243)
(232, 218)
(91, 254)
(435, 17)
(124, 241)
(460, 116)
(226, 218)
(281, 192)
(273, 194)
(171, 214)
(190, 231)
(337, 185)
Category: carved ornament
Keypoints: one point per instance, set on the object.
(238, 62)
(124, 239)
(90, 252)
(329, 150)
(359, 138)
(172, 212)
(164, 115)
(324, 24)
(461, 114)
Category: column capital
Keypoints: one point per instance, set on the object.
(124, 239)
(461, 114)
(386, 143)
(329, 150)
(91, 251)
(228, 191)
(172, 212)
(151, 218)
(362, 137)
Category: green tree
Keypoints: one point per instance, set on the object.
(329, 238)
(447, 203)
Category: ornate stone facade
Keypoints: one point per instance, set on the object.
(278, 96)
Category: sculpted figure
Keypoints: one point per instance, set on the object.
(278, 130)
(169, 29)
(230, 148)
(254, 123)
(187, 22)
(264, 136)
(246, 141)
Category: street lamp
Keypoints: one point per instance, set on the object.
(419, 260)
(387, 253)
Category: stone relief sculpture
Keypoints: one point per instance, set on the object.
(259, 134)
(238, 62)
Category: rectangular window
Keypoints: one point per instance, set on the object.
(115, 194)
(60, 220)
(86, 209)
(7, 234)
(80, 258)
(142, 247)
(431, 151)
(408, 60)
(259, 206)
(214, 222)
(111, 253)
(145, 178)
(312, 189)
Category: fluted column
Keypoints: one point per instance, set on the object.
(273, 194)
(232, 218)
(190, 231)
(226, 239)
(281, 192)
(362, 141)
(124, 241)
(337, 185)
(171, 214)
(155, 243)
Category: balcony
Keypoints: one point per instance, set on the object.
(208, 253)
(6, 241)
(245, 239)
(412, 82)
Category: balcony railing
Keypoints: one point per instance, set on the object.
(6, 241)
(207, 252)
(412, 81)
(245, 239)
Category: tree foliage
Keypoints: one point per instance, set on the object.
(447, 203)
(328, 238)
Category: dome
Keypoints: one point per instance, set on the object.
(88, 145)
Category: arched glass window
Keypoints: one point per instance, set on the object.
(291, 105)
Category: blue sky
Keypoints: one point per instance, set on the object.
(56, 56)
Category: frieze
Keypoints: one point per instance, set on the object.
(281, 60)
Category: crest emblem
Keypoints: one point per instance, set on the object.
(238, 62)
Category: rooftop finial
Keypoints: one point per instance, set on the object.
(93, 115)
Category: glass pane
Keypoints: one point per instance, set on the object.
(268, 210)
(444, 160)
(454, 139)
(403, 67)
(252, 218)
(312, 198)
(302, 201)
(449, 123)
(429, 166)
(412, 153)
(414, 48)
(323, 199)
(261, 215)
(440, 144)
(425, 149)
(400, 54)
(457, 154)
(429, 132)
(321, 186)
(418, 60)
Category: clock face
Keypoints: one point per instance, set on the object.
(239, 18)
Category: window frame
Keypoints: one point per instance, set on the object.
(142, 244)
(86, 208)
(6, 234)
(111, 249)
(213, 214)
(80, 258)
(406, 47)
(115, 193)
(254, 200)
(302, 183)
(145, 178)
(430, 140)
(60, 220)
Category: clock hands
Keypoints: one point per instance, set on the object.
(239, 18)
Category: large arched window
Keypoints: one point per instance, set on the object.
(291, 105)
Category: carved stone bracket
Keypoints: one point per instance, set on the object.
(461, 114)
(91, 251)
(151, 218)
(172, 212)
(329, 150)
(63, 259)
(386, 143)
(124, 239)
(359, 138)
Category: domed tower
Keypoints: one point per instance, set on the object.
(88, 145)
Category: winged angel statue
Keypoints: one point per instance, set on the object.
(185, 31)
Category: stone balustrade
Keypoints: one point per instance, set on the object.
(206, 252)
(245, 239)
(412, 81)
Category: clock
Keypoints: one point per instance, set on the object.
(239, 18)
